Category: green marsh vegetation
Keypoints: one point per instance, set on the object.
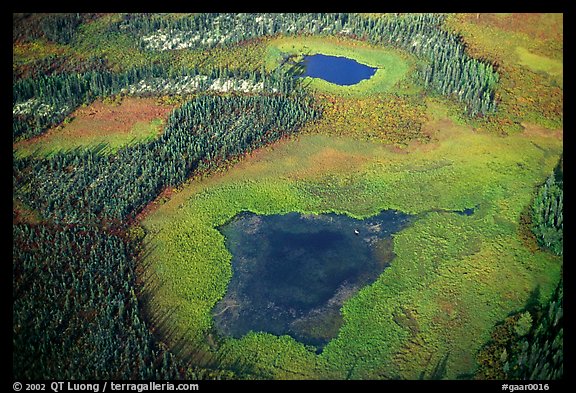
(392, 65)
(437, 258)
(399, 141)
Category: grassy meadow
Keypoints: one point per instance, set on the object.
(114, 123)
(454, 276)
(528, 51)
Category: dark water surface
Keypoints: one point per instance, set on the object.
(292, 272)
(335, 69)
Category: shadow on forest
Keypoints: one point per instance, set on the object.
(439, 371)
(533, 302)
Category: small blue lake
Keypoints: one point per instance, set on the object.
(291, 273)
(335, 69)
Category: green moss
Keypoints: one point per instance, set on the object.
(539, 63)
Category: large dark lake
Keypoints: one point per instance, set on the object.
(292, 272)
(335, 69)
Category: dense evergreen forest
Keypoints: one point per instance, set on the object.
(76, 315)
(76, 310)
(547, 212)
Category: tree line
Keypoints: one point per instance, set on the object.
(547, 212)
(527, 345)
(51, 98)
(84, 185)
(446, 67)
(61, 28)
(61, 94)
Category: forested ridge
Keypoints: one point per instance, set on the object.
(45, 101)
(77, 313)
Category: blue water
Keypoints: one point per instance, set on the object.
(466, 212)
(338, 70)
(292, 272)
